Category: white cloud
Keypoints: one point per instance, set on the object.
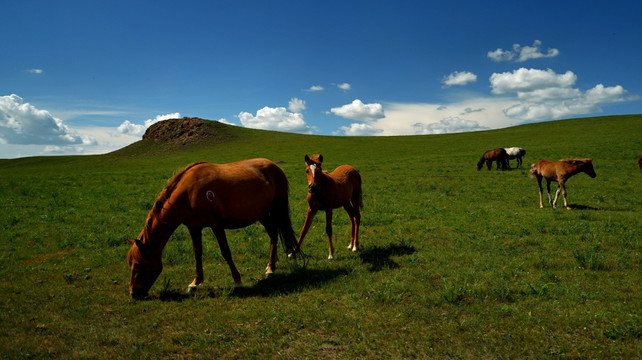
(360, 129)
(35, 71)
(278, 118)
(296, 105)
(314, 88)
(344, 86)
(522, 53)
(22, 123)
(459, 78)
(357, 110)
(448, 125)
(129, 128)
(546, 95)
(528, 80)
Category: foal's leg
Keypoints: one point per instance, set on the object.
(357, 224)
(548, 190)
(563, 186)
(539, 185)
(306, 226)
(197, 244)
(227, 255)
(328, 230)
(273, 232)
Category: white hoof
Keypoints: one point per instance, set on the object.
(354, 249)
(330, 257)
(192, 289)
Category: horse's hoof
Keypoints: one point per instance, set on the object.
(191, 289)
(239, 285)
(330, 257)
(354, 249)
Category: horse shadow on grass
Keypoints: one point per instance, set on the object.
(379, 257)
(277, 284)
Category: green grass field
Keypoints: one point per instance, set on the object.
(454, 262)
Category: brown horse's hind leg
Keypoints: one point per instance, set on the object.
(227, 255)
(328, 231)
(197, 244)
(273, 232)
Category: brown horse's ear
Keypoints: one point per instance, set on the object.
(320, 158)
(307, 159)
(131, 242)
(142, 247)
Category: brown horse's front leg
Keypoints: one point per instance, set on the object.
(328, 230)
(197, 244)
(306, 226)
(227, 255)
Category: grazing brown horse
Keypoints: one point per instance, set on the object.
(559, 171)
(498, 155)
(226, 196)
(327, 191)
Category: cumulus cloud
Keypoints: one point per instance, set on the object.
(459, 78)
(296, 105)
(360, 129)
(314, 88)
(522, 53)
(129, 128)
(344, 86)
(359, 111)
(448, 125)
(545, 95)
(23, 124)
(527, 80)
(278, 118)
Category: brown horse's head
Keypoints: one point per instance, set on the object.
(145, 265)
(313, 170)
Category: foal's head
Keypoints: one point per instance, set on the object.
(588, 168)
(313, 170)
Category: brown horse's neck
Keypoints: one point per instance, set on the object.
(157, 232)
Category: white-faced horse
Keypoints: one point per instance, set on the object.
(515, 153)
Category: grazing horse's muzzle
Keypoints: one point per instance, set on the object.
(138, 296)
(312, 188)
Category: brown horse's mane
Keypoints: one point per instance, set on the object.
(169, 188)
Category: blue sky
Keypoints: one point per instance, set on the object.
(84, 77)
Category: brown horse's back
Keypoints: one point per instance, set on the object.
(226, 195)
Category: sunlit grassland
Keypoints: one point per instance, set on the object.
(454, 262)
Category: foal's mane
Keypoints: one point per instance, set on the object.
(169, 188)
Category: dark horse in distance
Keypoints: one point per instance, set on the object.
(498, 155)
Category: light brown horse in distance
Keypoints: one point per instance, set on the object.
(225, 196)
(559, 171)
(328, 191)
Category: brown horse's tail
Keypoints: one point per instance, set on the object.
(281, 215)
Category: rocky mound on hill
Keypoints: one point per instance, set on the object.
(187, 131)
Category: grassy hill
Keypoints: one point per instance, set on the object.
(455, 263)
